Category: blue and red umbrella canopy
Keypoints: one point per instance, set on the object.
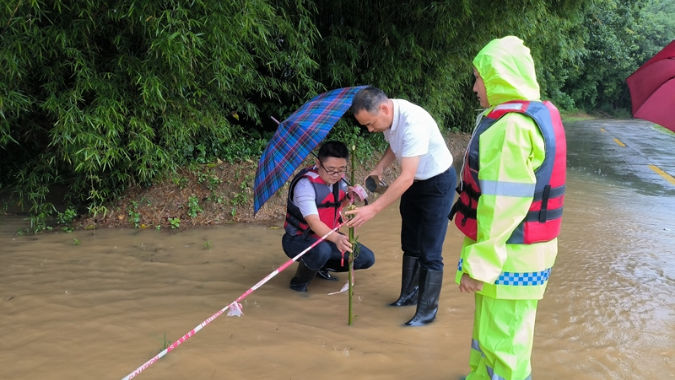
(295, 138)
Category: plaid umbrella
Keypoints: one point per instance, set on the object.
(295, 138)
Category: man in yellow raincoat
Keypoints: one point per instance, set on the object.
(510, 209)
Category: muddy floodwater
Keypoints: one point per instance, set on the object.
(100, 309)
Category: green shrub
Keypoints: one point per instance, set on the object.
(193, 206)
(100, 96)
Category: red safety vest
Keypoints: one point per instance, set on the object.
(329, 204)
(542, 222)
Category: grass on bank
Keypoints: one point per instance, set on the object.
(572, 116)
(663, 130)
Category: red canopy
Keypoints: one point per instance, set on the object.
(652, 89)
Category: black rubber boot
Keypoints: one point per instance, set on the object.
(431, 282)
(333, 266)
(336, 266)
(409, 282)
(302, 278)
(325, 274)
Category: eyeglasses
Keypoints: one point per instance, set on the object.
(334, 171)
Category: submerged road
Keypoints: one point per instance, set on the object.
(632, 152)
(609, 310)
(101, 308)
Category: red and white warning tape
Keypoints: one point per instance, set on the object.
(234, 306)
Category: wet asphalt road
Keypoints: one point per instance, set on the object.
(630, 152)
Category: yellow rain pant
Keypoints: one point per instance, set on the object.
(503, 331)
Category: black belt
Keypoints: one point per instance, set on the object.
(422, 180)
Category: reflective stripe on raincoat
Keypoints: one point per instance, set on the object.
(509, 152)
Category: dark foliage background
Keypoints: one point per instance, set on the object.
(101, 95)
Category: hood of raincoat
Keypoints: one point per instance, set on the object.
(507, 69)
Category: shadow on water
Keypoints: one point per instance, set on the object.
(101, 308)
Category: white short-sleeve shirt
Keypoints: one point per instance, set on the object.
(415, 133)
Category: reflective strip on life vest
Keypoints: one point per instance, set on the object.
(507, 189)
(542, 223)
(518, 279)
(554, 193)
(551, 214)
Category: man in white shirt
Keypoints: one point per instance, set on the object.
(315, 200)
(426, 188)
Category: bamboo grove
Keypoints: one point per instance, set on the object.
(100, 95)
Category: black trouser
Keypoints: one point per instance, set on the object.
(424, 213)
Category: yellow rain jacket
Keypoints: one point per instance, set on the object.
(509, 153)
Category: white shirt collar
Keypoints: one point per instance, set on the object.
(397, 115)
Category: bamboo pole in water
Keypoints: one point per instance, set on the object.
(350, 262)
